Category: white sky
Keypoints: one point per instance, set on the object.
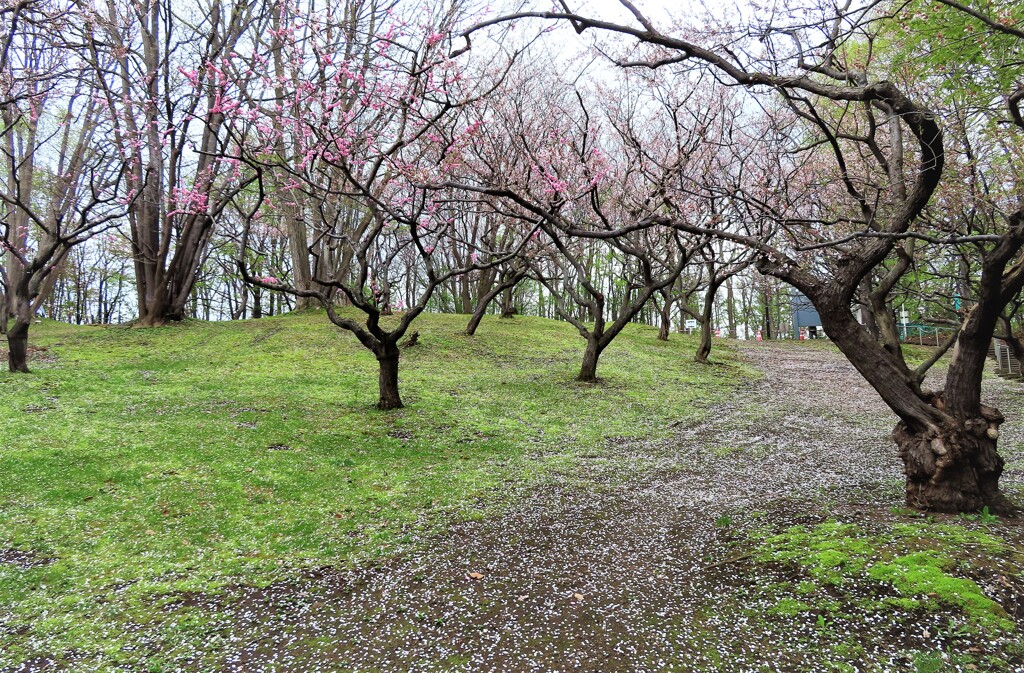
(663, 13)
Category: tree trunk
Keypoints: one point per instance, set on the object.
(257, 303)
(588, 372)
(474, 321)
(505, 286)
(17, 346)
(957, 470)
(164, 295)
(730, 309)
(666, 317)
(704, 349)
(666, 326)
(155, 310)
(465, 295)
(947, 441)
(508, 307)
(387, 357)
(767, 316)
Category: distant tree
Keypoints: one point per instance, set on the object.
(872, 154)
(365, 133)
(572, 164)
(163, 71)
(719, 268)
(60, 177)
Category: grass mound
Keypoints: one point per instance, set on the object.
(137, 463)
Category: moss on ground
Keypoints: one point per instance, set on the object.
(916, 561)
(842, 585)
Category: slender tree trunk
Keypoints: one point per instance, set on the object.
(508, 307)
(485, 301)
(666, 325)
(704, 349)
(298, 248)
(478, 315)
(257, 303)
(465, 296)
(588, 372)
(767, 316)
(387, 358)
(730, 308)
(666, 319)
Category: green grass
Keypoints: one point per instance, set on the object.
(145, 462)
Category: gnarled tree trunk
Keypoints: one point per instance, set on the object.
(946, 440)
(956, 469)
(704, 349)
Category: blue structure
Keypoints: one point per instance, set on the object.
(805, 315)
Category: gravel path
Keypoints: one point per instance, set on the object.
(624, 574)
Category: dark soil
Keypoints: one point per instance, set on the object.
(22, 559)
(629, 564)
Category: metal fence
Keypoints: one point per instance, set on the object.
(924, 335)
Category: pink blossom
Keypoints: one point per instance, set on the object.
(191, 75)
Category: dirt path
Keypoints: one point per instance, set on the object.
(627, 574)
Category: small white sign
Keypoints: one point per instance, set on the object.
(691, 324)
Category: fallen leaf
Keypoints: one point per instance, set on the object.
(578, 597)
(476, 576)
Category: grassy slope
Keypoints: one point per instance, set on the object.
(144, 462)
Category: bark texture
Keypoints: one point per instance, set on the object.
(387, 358)
(588, 371)
(956, 469)
(17, 345)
